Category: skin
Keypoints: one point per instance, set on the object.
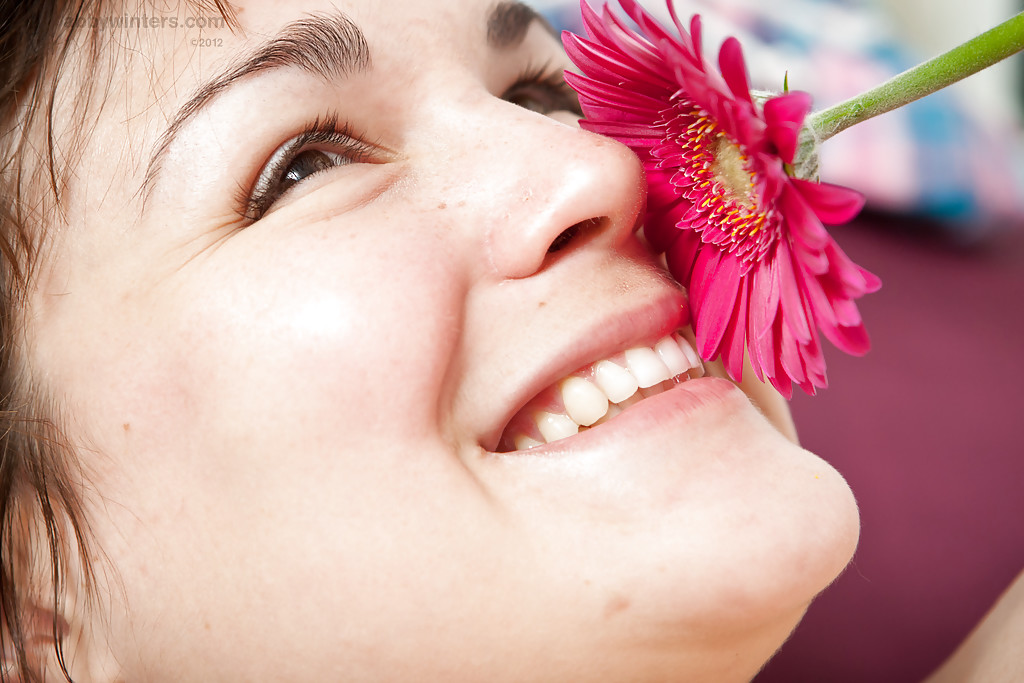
(992, 650)
(285, 425)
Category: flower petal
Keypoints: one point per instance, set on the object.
(853, 340)
(764, 302)
(714, 286)
(617, 100)
(833, 204)
(734, 69)
(596, 59)
(695, 31)
(734, 341)
(790, 357)
(854, 279)
(791, 298)
(653, 31)
(681, 256)
(785, 117)
(802, 222)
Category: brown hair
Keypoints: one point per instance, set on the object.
(43, 530)
(35, 490)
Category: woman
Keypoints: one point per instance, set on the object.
(282, 336)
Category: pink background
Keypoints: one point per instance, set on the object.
(928, 428)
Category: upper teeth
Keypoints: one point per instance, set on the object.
(600, 391)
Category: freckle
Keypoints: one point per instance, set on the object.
(443, 205)
(206, 625)
(618, 603)
(542, 304)
(126, 426)
(462, 203)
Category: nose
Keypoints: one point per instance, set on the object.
(539, 186)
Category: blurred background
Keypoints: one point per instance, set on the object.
(928, 428)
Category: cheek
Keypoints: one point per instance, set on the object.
(275, 346)
(316, 327)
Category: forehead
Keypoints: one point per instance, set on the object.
(189, 44)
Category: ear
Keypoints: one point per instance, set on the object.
(9, 672)
(8, 657)
(42, 629)
(9, 663)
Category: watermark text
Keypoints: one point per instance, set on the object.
(143, 21)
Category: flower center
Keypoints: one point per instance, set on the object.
(730, 169)
(720, 181)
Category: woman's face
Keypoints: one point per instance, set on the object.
(288, 360)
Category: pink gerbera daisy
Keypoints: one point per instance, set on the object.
(738, 228)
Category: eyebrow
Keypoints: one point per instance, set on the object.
(508, 22)
(330, 46)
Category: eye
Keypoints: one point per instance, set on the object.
(308, 163)
(321, 146)
(544, 91)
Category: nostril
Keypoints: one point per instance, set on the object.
(570, 233)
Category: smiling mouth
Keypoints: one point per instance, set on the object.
(598, 392)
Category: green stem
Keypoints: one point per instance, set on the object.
(976, 54)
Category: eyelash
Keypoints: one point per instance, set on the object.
(329, 136)
(538, 83)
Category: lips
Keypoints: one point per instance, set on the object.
(601, 390)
